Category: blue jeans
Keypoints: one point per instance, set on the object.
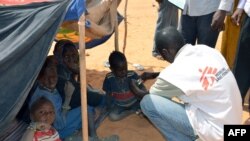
(169, 117)
(198, 28)
(73, 123)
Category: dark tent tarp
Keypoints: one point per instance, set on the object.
(26, 34)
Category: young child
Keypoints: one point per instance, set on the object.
(69, 71)
(67, 120)
(121, 100)
(42, 114)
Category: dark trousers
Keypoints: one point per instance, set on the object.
(198, 28)
(241, 68)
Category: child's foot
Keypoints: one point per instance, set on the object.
(139, 113)
(109, 138)
(101, 113)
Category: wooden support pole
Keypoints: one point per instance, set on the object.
(116, 28)
(81, 24)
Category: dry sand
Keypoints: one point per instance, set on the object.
(141, 18)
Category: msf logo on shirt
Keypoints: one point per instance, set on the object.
(207, 76)
(210, 74)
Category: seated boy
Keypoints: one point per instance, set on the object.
(121, 100)
(68, 70)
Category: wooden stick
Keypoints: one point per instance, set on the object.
(125, 26)
(81, 24)
(116, 29)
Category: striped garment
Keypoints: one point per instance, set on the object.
(50, 135)
(119, 88)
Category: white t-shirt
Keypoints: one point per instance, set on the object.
(244, 4)
(204, 7)
(211, 93)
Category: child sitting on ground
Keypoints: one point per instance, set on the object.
(121, 101)
(67, 120)
(68, 70)
(42, 114)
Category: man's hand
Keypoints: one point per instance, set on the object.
(149, 75)
(236, 17)
(218, 20)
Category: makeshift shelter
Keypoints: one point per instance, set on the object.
(27, 31)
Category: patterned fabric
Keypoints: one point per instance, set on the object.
(50, 135)
(119, 88)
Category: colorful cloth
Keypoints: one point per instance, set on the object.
(50, 135)
(230, 38)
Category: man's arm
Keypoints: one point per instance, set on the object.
(165, 89)
(236, 17)
(149, 75)
(219, 16)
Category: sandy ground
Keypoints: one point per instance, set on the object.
(141, 18)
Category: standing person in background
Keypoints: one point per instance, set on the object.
(230, 38)
(167, 16)
(202, 20)
(242, 61)
(201, 79)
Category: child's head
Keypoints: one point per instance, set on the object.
(70, 56)
(118, 64)
(42, 110)
(48, 74)
(59, 48)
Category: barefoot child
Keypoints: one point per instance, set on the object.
(120, 99)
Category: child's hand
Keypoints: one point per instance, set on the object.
(134, 86)
(135, 89)
(42, 126)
